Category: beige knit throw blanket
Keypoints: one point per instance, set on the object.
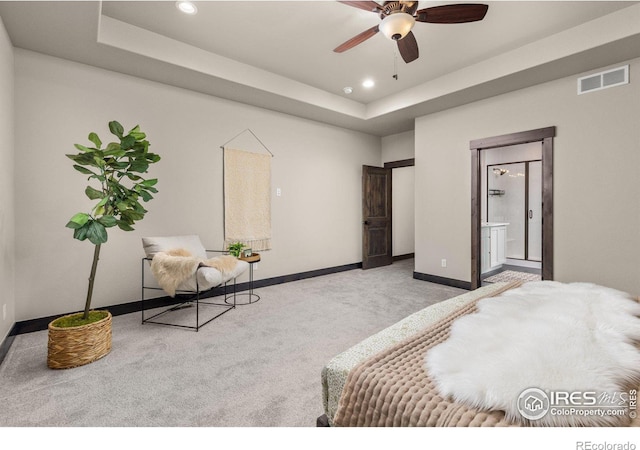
(247, 199)
(174, 267)
(392, 389)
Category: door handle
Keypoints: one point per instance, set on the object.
(530, 214)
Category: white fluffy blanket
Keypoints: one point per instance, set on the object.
(548, 335)
(173, 267)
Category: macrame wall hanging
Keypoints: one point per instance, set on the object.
(247, 196)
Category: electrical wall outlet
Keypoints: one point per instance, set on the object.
(255, 266)
(443, 263)
(278, 192)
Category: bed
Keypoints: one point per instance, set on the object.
(413, 372)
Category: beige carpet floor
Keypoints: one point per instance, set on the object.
(256, 366)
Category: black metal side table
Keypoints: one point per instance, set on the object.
(252, 296)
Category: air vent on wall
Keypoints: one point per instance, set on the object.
(603, 80)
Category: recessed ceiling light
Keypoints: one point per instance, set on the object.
(347, 90)
(368, 83)
(187, 7)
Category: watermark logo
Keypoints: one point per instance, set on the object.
(633, 403)
(533, 403)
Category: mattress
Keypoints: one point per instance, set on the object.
(334, 374)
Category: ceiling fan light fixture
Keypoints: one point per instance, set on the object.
(397, 25)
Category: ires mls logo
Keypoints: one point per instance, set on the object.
(534, 403)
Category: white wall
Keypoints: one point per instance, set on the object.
(596, 193)
(7, 209)
(398, 147)
(316, 222)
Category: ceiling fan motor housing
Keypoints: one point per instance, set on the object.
(395, 7)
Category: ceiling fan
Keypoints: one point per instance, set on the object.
(398, 18)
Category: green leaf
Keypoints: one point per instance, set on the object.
(112, 146)
(99, 209)
(115, 150)
(132, 215)
(83, 148)
(81, 233)
(98, 177)
(92, 193)
(133, 177)
(116, 128)
(124, 226)
(108, 221)
(95, 139)
(150, 182)
(120, 165)
(78, 220)
(150, 189)
(127, 142)
(97, 233)
(138, 166)
(99, 161)
(152, 157)
(145, 196)
(83, 170)
(136, 133)
(84, 159)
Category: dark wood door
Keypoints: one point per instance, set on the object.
(376, 217)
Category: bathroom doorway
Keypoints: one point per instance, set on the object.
(533, 151)
(511, 228)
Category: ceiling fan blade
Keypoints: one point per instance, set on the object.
(460, 13)
(408, 48)
(360, 38)
(367, 6)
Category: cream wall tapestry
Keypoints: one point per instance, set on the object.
(247, 199)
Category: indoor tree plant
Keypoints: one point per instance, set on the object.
(117, 170)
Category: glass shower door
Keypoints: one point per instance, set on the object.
(506, 204)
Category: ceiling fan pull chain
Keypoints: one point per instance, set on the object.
(395, 66)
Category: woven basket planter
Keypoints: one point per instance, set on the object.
(76, 346)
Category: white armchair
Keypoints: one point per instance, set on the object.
(184, 269)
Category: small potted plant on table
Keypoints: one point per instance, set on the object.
(235, 249)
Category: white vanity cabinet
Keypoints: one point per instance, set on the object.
(494, 241)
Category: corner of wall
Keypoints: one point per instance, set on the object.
(7, 189)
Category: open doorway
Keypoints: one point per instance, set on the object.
(480, 209)
(403, 209)
(511, 212)
(388, 213)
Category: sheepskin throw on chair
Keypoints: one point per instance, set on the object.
(247, 199)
